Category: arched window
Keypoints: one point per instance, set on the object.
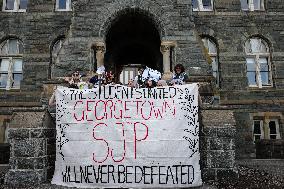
(258, 63)
(11, 64)
(213, 53)
(56, 47)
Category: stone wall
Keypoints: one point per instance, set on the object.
(217, 145)
(172, 19)
(230, 27)
(37, 28)
(32, 140)
(270, 149)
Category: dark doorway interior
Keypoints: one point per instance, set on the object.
(133, 39)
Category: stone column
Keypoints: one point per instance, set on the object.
(265, 127)
(166, 50)
(100, 53)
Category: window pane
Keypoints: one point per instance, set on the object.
(3, 80)
(21, 48)
(251, 78)
(13, 46)
(214, 64)
(263, 47)
(272, 127)
(17, 80)
(265, 78)
(9, 5)
(4, 65)
(4, 48)
(257, 137)
(205, 42)
(207, 4)
(248, 47)
(244, 4)
(263, 64)
(23, 4)
(250, 64)
(195, 4)
(256, 129)
(17, 67)
(272, 136)
(257, 4)
(212, 47)
(255, 45)
(56, 47)
(62, 4)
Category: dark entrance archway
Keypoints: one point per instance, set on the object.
(133, 39)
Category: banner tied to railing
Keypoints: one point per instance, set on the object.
(117, 136)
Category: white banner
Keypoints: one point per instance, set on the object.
(116, 136)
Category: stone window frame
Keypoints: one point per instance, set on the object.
(256, 57)
(213, 55)
(68, 6)
(248, 5)
(265, 129)
(11, 57)
(200, 6)
(17, 8)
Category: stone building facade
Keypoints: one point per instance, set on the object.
(233, 48)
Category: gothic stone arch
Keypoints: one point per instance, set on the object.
(152, 9)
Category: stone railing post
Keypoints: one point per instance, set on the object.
(166, 50)
(100, 53)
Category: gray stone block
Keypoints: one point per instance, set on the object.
(29, 148)
(215, 144)
(222, 159)
(25, 163)
(18, 133)
(208, 174)
(226, 132)
(227, 174)
(17, 178)
(209, 131)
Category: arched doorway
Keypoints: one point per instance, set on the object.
(132, 40)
